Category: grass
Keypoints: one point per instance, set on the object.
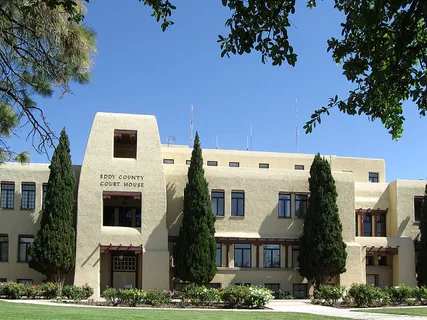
(422, 311)
(22, 311)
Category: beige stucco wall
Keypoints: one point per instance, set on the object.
(152, 235)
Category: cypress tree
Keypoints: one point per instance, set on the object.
(53, 250)
(422, 256)
(196, 248)
(322, 251)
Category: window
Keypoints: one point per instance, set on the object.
(299, 167)
(373, 177)
(125, 144)
(264, 165)
(272, 286)
(3, 280)
(382, 260)
(7, 195)
(28, 200)
(25, 281)
(369, 260)
(272, 256)
(299, 291)
(284, 205)
(295, 255)
(179, 286)
(367, 226)
(418, 203)
(122, 209)
(24, 243)
(357, 225)
(168, 161)
(381, 225)
(187, 162)
(212, 163)
(242, 255)
(213, 285)
(237, 203)
(218, 203)
(234, 164)
(44, 192)
(218, 254)
(4, 247)
(246, 284)
(300, 205)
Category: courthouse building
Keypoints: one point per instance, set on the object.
(129, 202)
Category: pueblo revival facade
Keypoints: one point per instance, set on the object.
(129, 204)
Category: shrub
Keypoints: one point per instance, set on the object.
(157, 297)
(49, 290)
(199, 295)
(77, 293)
(330, 294)
(12, 290)
(420, 293)
(110, 294)
(130, 297)
(243, 296)
(399, 294)
(367, 295)
(32, 291)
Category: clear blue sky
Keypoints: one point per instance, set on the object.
(140, 69)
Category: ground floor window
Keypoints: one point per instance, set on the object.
(3, 280)
(25, 281)
(242, 255)
(272, 286)
(382, 260)
(299, 291)
(248, 284)
(4, 247)
(179, 286)
(372, 279)
(24, 243)
(123, 263)
(214, 285)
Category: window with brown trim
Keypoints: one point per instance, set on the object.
(382, 260)
(264, 165)
(212, 163)
(4, 247)
(7, 195)
(125, 142)
(122, 209)
(369, 260)
(418, 204)
(367, 226)
(271, 255)
(381, 225)
(28, 196)
(234, 164)
(242, 255)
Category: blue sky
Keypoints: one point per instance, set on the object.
(140, 69)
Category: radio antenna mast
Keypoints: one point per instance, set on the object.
(216, 142)
(250, 145)
(296, 125)
(191, 125)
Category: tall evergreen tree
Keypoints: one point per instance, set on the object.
(53, 250)
(322, 252)
(196, 248)
(422, 256)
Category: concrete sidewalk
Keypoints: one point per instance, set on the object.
(304, 306)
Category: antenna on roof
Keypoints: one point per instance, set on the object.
(247, 143)
(216, 142)
(296, 125)
(171, 139)
(191, 125)
(250, 146)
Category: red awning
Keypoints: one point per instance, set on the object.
(107, 248)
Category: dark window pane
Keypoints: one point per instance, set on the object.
(28, 200)
(218, 254)
(367, 226)
(7, 195)
(218, 203)
(300, 205)
(418, 203)
(4, 248)
(373, 176)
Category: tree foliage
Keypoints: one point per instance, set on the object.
(40, 48)
(53, 250)
(422, 256)
(196, 248)
(322, 251)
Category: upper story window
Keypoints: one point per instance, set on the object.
(24, 243)
(369, 260)
(7, 195)
(284, 205)
(125, 144)
(212, 163)
(218, 254)
(122, 209)
(272, 256)
(234, 164)
(4, 247)
(371, 222)
(299, 167)
(187, 162)
(367, 226)
(238, 203)
(168, 161)
(418, 205)
(381, 225)
(218, 203)
(44, 192)
(242, 255)
(264, 165)
(382, 260)
(28, 200)
(301, 201)
(373, 177)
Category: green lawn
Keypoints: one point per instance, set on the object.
(22, 311)
(422, 311)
